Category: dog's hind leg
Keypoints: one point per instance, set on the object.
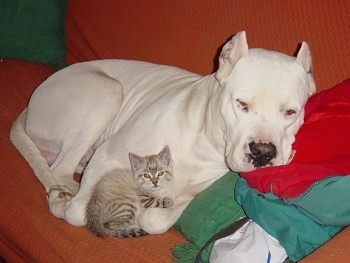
(78, 117)
(77, 144)
(85, 130)
(82, 139)
(30, 152)
(72, 208)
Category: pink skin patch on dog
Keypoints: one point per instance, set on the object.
(51, 157)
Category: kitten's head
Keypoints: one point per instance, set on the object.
(154, 171)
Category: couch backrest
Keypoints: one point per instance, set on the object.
(189, 33)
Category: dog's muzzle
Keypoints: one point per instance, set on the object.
(261, 154)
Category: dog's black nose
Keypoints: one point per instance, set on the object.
(262, 153)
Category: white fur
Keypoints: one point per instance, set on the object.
(116, 106)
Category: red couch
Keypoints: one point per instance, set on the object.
(187, 34)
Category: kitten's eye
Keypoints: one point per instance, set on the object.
(290, 112)
(147, 176)
(161, 173)
(242, 105)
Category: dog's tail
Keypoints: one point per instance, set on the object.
(30, 152)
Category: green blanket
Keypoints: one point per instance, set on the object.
(210, 211)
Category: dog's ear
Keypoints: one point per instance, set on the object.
(232, 51)
(304, 59)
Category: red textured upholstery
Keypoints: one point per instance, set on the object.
(189, 34)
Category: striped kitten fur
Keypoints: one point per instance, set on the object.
(120, 196)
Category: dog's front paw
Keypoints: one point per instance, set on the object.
(59, 193)
(58, 196)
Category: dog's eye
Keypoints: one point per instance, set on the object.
(290, 112)
(242, 105)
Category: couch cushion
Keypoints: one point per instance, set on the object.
(33, 30)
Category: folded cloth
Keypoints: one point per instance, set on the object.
(296, 231)
(326, 202)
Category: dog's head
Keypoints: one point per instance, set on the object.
(262, 102)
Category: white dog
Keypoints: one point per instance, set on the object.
(243, 117)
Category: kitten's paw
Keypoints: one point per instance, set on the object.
(58, 197)
(166, 202)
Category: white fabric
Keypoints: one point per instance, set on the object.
(249, 244)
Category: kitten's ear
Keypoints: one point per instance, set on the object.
(165, 155)
(135, 161)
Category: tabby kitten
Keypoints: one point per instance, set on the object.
(119, 197)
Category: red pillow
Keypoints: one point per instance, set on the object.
(322, 147)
